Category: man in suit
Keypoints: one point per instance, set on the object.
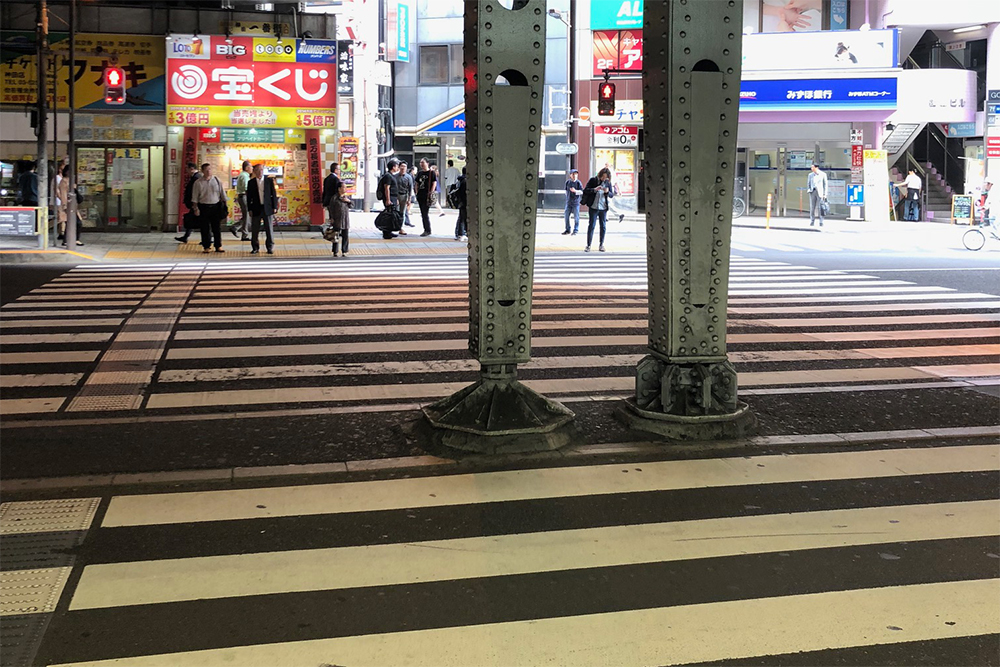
(262, 199)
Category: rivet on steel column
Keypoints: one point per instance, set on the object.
(504, 71)
(686, 388)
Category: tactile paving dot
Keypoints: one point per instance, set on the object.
(105, 403)
(20, 637)
(47, 516)
(31, 591)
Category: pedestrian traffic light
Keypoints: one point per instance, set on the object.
(606, 103)
(114, 85)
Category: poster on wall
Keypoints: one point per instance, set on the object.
(140, 57)
(791, 15)
(347, 150)
(877, 202)
(251, 82)
(855, 49)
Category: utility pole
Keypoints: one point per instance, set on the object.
(41, 129)
(71, 206)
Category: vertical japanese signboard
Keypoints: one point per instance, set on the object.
(251, 82)
(140, 58)
(397, 31)
(348, 155)
(877, 202)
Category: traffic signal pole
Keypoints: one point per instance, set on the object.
(71, 206)
(686, 388)
(42, 127)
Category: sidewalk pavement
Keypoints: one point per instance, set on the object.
(629, 235)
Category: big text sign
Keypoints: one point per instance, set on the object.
(251, 82)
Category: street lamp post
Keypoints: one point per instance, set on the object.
(567, 20)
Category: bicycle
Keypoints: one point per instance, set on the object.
(975, 238)
(739, 207)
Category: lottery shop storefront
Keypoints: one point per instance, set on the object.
(270, 101)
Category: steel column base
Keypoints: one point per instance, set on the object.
(499, 417)
(728, 426)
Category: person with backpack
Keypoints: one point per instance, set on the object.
(388, 192)
(460, 197)
(426, 184)
(596, 197)
(190, 220)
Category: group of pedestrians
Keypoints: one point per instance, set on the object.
(399, 189)
(27, 195)
(208, 205)
(596, 196)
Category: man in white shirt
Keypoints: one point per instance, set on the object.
(211, 206)
(817, 186)
(451, 175)
(913, 186)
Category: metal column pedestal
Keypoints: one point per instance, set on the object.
(686, 388)
(504, 71)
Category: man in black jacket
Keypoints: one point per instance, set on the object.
(190, 220)
(331, 188)
(262, 199)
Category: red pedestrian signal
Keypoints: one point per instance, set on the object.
(114, 85)
(606, 103)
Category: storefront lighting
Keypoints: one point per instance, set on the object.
(968, 29)
(170, 37)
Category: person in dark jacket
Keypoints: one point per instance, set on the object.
(28, 186)
(331, 188)
(426, 184)
(598, 193)
(460, 198)
(262, 199)
(190, 219)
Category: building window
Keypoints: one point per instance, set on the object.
(457, 70)
(434, 64)
(442, 64)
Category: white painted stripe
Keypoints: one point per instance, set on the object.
(67, 313)
(542, 342)
(69, 304)
(24, 406)
(697, 633)
(38, 324)
(40, 380)
(201, 578)
(36, 338)
(463, 489)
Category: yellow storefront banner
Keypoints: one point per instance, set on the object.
(141, 57)
(213, 116)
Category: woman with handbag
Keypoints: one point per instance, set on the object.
(64, 195)
(340, 222)
(212, 206)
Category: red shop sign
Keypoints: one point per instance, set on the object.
(617, 49)
(245, 83)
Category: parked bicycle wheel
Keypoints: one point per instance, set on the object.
(974, 239)
(739, 207)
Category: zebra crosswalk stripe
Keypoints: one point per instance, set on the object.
(50, 336)
(664, 562)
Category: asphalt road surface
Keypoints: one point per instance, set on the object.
(881, 549)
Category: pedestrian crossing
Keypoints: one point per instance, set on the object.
(890, 550)
(202, 337)
(934, 240)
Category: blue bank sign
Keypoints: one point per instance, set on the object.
(453, 124)
(616, 14)
(818, 94)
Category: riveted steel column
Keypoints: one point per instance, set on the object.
(504, 71)
(686, 387)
